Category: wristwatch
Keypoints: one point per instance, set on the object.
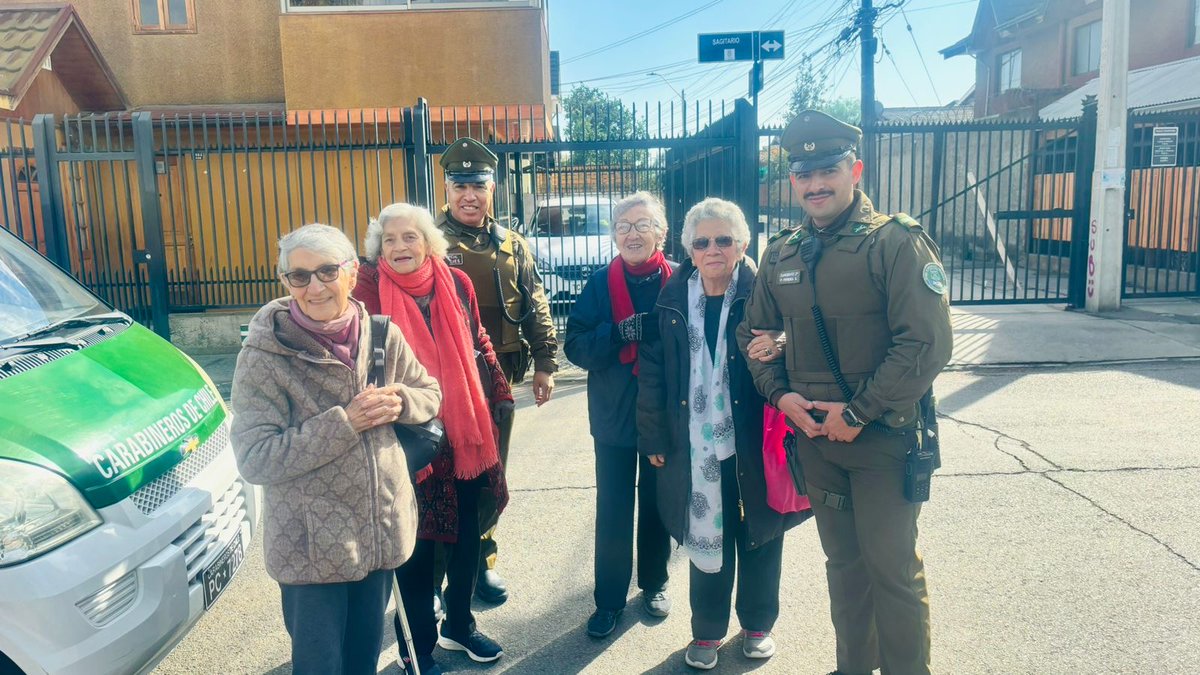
(851, 419)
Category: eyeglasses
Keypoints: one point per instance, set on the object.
(701, 243)
(641, 226)
(324, 273)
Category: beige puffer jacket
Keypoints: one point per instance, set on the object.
(339, 504)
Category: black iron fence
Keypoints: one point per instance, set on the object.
(178, 213)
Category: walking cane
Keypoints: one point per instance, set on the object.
(408, 640)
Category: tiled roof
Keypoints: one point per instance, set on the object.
(23, 34)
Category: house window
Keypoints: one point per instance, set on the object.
(1087, 49)
(1195, 22)
(1010, 70)
(164, 16)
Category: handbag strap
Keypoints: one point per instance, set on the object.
(379, 331)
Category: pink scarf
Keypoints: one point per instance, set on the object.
(339, 335)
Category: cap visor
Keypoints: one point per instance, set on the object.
(473, 177)
(806, 165)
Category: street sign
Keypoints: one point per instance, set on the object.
(724, 47)
(770, 44)
(1164, 147)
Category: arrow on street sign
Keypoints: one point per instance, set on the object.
(770, 44)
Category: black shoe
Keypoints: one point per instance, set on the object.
(490, 587)
(603, 622)
(656, 604)
(481, 648)
(426, 663)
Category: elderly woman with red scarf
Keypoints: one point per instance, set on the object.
(435, 308)
(612, 316)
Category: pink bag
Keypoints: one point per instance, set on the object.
(781, 491)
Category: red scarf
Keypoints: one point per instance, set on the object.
(448, 354)
(622, 303)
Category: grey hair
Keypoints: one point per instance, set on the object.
(421, 217)
(317, 238)
(658, 214)
(715, 209)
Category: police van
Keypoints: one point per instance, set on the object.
(122, 514)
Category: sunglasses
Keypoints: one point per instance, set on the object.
(325, 273)
(641, 226)
(701, 243)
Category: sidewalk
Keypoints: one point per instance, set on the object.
(1008, 335)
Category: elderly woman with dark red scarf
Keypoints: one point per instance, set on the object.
(435, 308)
(611, 317)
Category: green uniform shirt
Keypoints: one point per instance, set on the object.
(473, 250)
(882, 290)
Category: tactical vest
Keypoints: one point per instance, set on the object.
(480, 264)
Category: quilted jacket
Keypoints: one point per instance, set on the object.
(339, 504)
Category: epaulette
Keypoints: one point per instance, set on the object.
(797, 236)
(907, 221)
(783, 232)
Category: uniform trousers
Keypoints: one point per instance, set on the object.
(617, 481)
(757, 572)
(415, 577)
(877, 594)
(336, 628)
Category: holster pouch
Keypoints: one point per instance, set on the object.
(793, 463)
(523, 362)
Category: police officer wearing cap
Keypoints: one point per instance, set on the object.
(512, 303)
(884, 320)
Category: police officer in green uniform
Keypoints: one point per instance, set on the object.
(512, 303)
(881, 290)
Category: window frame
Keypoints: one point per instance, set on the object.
(1000, 63)
(1098, 24)
(1195, 41)
(408, 5)
(163, 28)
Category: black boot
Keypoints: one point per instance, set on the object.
(490, 587)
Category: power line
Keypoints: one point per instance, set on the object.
(635, 36)
(899, 74)
(920, 55)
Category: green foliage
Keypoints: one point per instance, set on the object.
(811, 92)
(593, 115)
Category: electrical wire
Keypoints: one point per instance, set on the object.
(641, 34)
(920, 55)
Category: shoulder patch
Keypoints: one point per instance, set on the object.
(935, 278)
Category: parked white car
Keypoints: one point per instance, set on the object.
(571, 237)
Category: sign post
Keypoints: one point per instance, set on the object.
(756, 46)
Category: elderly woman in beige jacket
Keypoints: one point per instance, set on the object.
(340, 513)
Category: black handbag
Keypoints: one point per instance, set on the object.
(420, 442)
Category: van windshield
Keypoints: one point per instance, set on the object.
(572, 220)
(34, 293)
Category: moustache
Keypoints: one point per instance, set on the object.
(823, 193)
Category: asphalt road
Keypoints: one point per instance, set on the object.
(1060, 539)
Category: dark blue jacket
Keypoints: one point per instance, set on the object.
(591, 344)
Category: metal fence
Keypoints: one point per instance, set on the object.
(176, 213)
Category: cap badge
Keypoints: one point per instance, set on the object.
(466, 164)
(465, 145)
(809, 147)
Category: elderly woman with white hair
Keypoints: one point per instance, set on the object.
(435, 307)
(611, 317)
(311, 427)
(699, 419)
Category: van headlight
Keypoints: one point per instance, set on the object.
(39, 511)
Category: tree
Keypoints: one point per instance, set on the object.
(593, 115)
(811, 92)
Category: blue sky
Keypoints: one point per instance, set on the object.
(581, 26)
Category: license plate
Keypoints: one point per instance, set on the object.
(217, 575)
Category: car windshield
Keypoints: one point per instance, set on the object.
(572, 220)
(34, 293)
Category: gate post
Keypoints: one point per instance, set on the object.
(416, 130)
(154, 255)
(1085, 165)
(54, 219)
(746, 139)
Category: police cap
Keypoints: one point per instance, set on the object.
(814, 140)
(468, 161)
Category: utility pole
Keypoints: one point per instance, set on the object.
(1106, 243)
(866, 32)
(682, 98)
